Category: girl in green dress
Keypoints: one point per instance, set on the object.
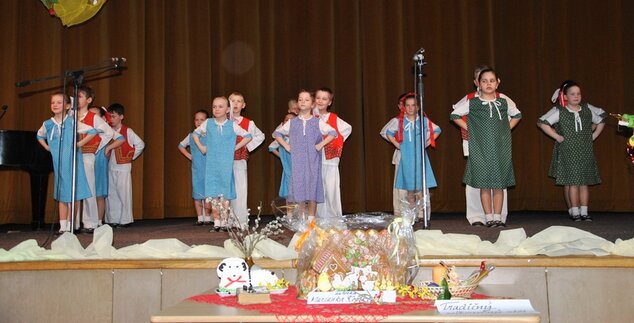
(574, 125)
(490, 166)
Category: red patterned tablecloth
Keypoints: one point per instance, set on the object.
(287, 308)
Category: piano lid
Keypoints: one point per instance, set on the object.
(20, 150)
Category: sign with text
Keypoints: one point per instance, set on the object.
(351, 297)
(485, 306)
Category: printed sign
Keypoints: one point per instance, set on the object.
(485, 306)
(351, 297)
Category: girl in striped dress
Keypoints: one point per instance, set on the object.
(306, 140)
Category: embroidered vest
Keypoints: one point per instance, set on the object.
(124, 153)
(93, 144)
(335, 147)
(242, 153)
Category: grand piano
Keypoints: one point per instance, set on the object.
(19, 150)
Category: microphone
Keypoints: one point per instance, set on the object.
(4, 110)
(118, 61)
(22, 84)
(418, 56)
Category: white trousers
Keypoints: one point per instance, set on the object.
(90, 212)
(240, 177)
(398, 195)
(332, 192)
(475, 213)
(119, 201)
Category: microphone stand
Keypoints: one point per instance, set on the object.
(78, 76)
(4, 111)
(419, 63)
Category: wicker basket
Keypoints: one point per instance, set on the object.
(456, 291)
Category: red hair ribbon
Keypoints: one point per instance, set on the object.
(562, 98)
(401, 116)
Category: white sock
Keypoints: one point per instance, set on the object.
(575, 211)
(100, 223)
(67, 227)
(216, 222)
(488, 217)
(200, 218)
(497, 217)
(63, 224)
(570, 211)
(207, 218)
(583, 210)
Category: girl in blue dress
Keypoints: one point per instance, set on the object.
(404, 133)
(285, 159)
(56, 136)
(219, 135)
(203, 209)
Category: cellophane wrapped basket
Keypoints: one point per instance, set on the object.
(365, 251)
(463, 290)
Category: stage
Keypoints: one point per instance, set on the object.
(610, 226)
(580, 287)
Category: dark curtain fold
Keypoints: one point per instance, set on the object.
(181, 54)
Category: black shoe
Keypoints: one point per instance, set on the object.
(127, 225)
(491, 224)
(575, 218)
(500, 223)
(113, 225)
(477, 224)
(199, 223)
(207, 223)
(215, 229)
(60, 232)
(87, 230)
(586, 218)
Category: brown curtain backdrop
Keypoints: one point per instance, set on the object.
(181, 54)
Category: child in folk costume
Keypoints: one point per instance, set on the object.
(56, 136)
(239, 204)
(305, 133)
(574, 125)
(90, 210)
(119, 204)
(490, 166)
(398, 195)
(101, 163)
(404, 132)
(203, 209)
(285, 159)
(331, 154)
(293, 107)
(220, 135)
(475, 213)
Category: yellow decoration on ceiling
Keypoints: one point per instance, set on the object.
(73, 12)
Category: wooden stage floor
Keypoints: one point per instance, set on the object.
(610, 226)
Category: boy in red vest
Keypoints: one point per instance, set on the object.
(119, 204)
(101, 163)
(239, 205)
(90, 210)
(331, 155)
